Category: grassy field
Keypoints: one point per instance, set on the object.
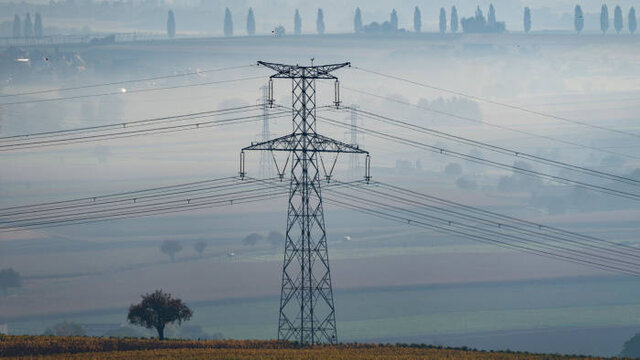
(42, 347)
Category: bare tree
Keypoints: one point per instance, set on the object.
(158, 309)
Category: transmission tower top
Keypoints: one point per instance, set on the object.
(296, 71)
(307, 313)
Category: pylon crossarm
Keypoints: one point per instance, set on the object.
(295, 71)
(316, 143)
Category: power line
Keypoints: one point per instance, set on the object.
(498, 149)
(523, 132)
(126, 124)
(515, 107)
(131, 91)
(132, 133)
(498, 223)
(473, 236)
(533, 245)
(159, 200)
(505, 218)
(130, 205)
(36, 92)
(480, 160)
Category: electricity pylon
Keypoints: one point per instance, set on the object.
(265, 161)
(354, 160)
(307, 314)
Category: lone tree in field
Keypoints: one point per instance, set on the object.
(200, 246)
(37, 26)
(527, 19)
(170, 248)
(251, 23)
(158, 309)
(417, 20)
(443, 21)
(171, 25)
(17, 28)
(617, 19)
(633, 21)
(28, 26)
(228, 23)
(9, 278)
(297, 23)
(393, 19)
(454, 19)
(357, 21)
(578, 19)
(320, 22)
(604, 19)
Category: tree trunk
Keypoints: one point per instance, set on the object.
(160, 332)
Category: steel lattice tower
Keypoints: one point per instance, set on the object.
(265, 161)
(354, 160)
(307, 314)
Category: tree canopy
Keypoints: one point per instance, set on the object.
(357, 21)
(200, 246)
(297, 23)
(9, 278)
(633, 21)
(393, 19)
(28, 26)
(320, 22)
(17, 28)
(443, 21)
(491, 18)
(578, 19)
(617, 19)
(158, 309)
(251, 23)
(37, 26)
(171, 24)
(454, 19)
(527, 19)
(170, 248)
(228, 23)
(631, 347)
(604, 18)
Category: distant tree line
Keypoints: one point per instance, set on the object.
(29, 29)
(618, 19)
(474, 24)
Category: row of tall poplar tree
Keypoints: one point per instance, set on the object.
(618, 21)
(28, 29)
(417, 21)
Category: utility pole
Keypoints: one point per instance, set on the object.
(265, 162)
(307, 314)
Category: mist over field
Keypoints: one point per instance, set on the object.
(550, 94)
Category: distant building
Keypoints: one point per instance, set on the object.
(479, 24)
